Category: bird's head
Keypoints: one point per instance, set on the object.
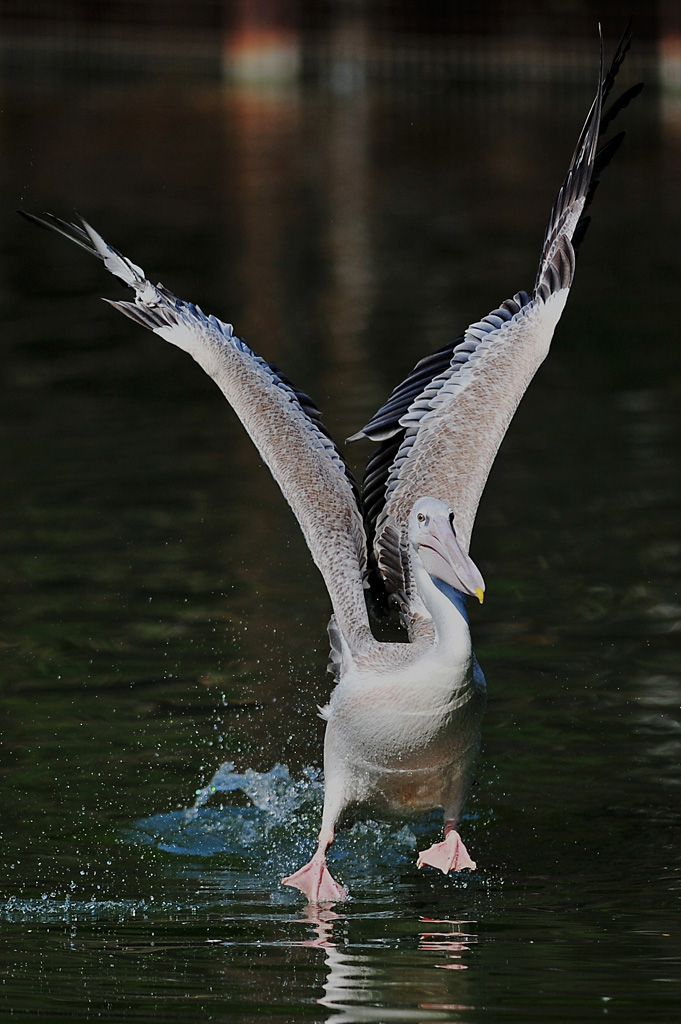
(432, 535)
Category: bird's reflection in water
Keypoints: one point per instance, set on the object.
(453, 942)
(322, 922)
(395, 983)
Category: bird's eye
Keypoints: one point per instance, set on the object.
(451, 521)
(421, 517)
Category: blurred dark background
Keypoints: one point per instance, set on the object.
(340, 39)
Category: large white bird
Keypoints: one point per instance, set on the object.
(403, 720)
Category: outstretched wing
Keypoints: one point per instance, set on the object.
(442, 427)
(282, 421)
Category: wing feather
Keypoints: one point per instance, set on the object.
(439, 434)
(282, 421)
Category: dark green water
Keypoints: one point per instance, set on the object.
(160, 616)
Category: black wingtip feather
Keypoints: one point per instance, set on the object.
(73, 232)
(589, 162)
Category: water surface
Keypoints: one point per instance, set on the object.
(161, 618)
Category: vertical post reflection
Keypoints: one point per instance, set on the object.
(264, 131)
(348, 302)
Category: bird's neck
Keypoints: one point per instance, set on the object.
(447, 607)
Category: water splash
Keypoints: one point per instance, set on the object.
(273, 792)
(262, 825)
(243, 833)
(274, 814)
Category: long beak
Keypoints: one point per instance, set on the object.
(443, 557)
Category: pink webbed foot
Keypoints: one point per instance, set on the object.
(316, 882)
(450, 855)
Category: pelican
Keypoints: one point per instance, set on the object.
(403, 720)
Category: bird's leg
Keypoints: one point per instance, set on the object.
(315, 879)
(450, 855)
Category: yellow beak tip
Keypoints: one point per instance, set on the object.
(480, 594)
